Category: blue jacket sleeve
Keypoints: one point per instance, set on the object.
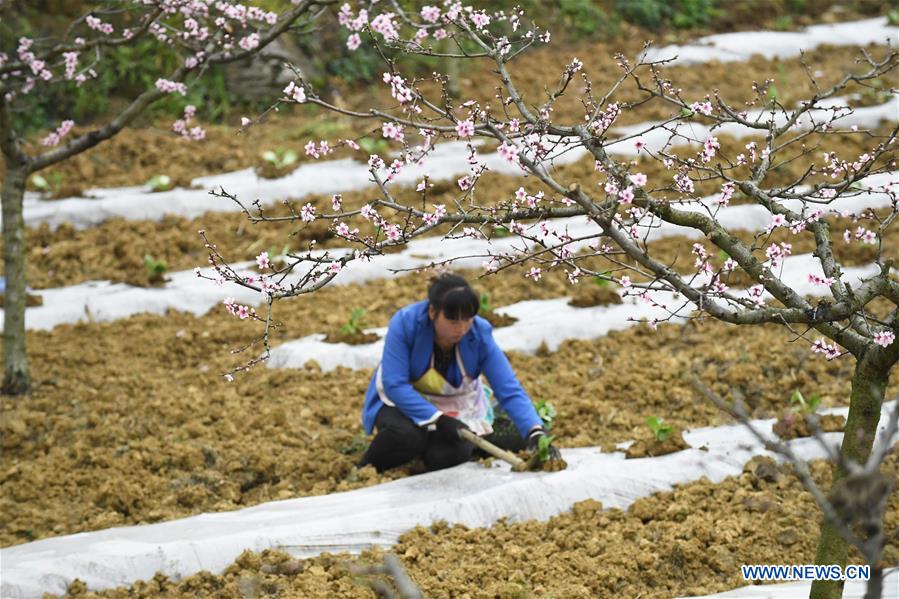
(509, 392)
(394, 384)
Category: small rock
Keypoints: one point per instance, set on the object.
(587, 506)
(788, 537)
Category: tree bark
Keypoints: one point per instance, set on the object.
(868, 388)
(16, 379)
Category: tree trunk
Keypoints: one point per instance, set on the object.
(16, 380)
(868, 388)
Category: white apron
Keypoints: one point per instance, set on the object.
(468, 402)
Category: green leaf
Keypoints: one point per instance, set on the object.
(40, 183)
(270, 156)
(354, 324)
(814, 401)
(485, 303)
(154, 266)
(160, 182)
(547, 412)
(660, 429)
(600, 280)
(289, 158)
(543, 444)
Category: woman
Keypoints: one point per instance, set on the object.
(428, 383)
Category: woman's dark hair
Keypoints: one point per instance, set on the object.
(453, 296)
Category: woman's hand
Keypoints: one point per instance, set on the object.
(448, 427)
(534, 442)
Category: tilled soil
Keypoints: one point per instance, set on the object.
(689, 541)
(131, 422)
(116, 249)
(134, 156)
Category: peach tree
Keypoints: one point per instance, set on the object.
(836, 200)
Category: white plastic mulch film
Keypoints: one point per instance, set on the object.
(105, 301)
(469, 494)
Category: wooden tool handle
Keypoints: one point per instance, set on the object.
(502, 454)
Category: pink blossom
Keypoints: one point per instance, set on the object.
(392, 131)
(683, 183)
(626, 195)
(230, 306)
(353, 42)
(440, 34)
(777, 220)
(262, 260)
(777, 253)
(249, 42)
(509, 151)
(98, 25)
(639, 144)
(611, 187)
(755, 293)
(384, 25)
(375, 162)
(480, 19)
(816, 280)
(168, 87)
(71, 60)
(296, 92)
(465, 128)
(702, 107)
(335, 267)
(336, 200)
(243, 312)
(884, 338)
(535, 273)
(307, 213)
(368, 212)
(574, 66)
(431, 14)
(638, 179)
(54, 138)
(727, 191)
(393, 233)
(625, 281)
(718, 285)
(521, 194)
(829, 350)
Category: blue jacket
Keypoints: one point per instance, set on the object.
(407, 356)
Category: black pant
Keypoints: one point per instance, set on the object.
(400, 441)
